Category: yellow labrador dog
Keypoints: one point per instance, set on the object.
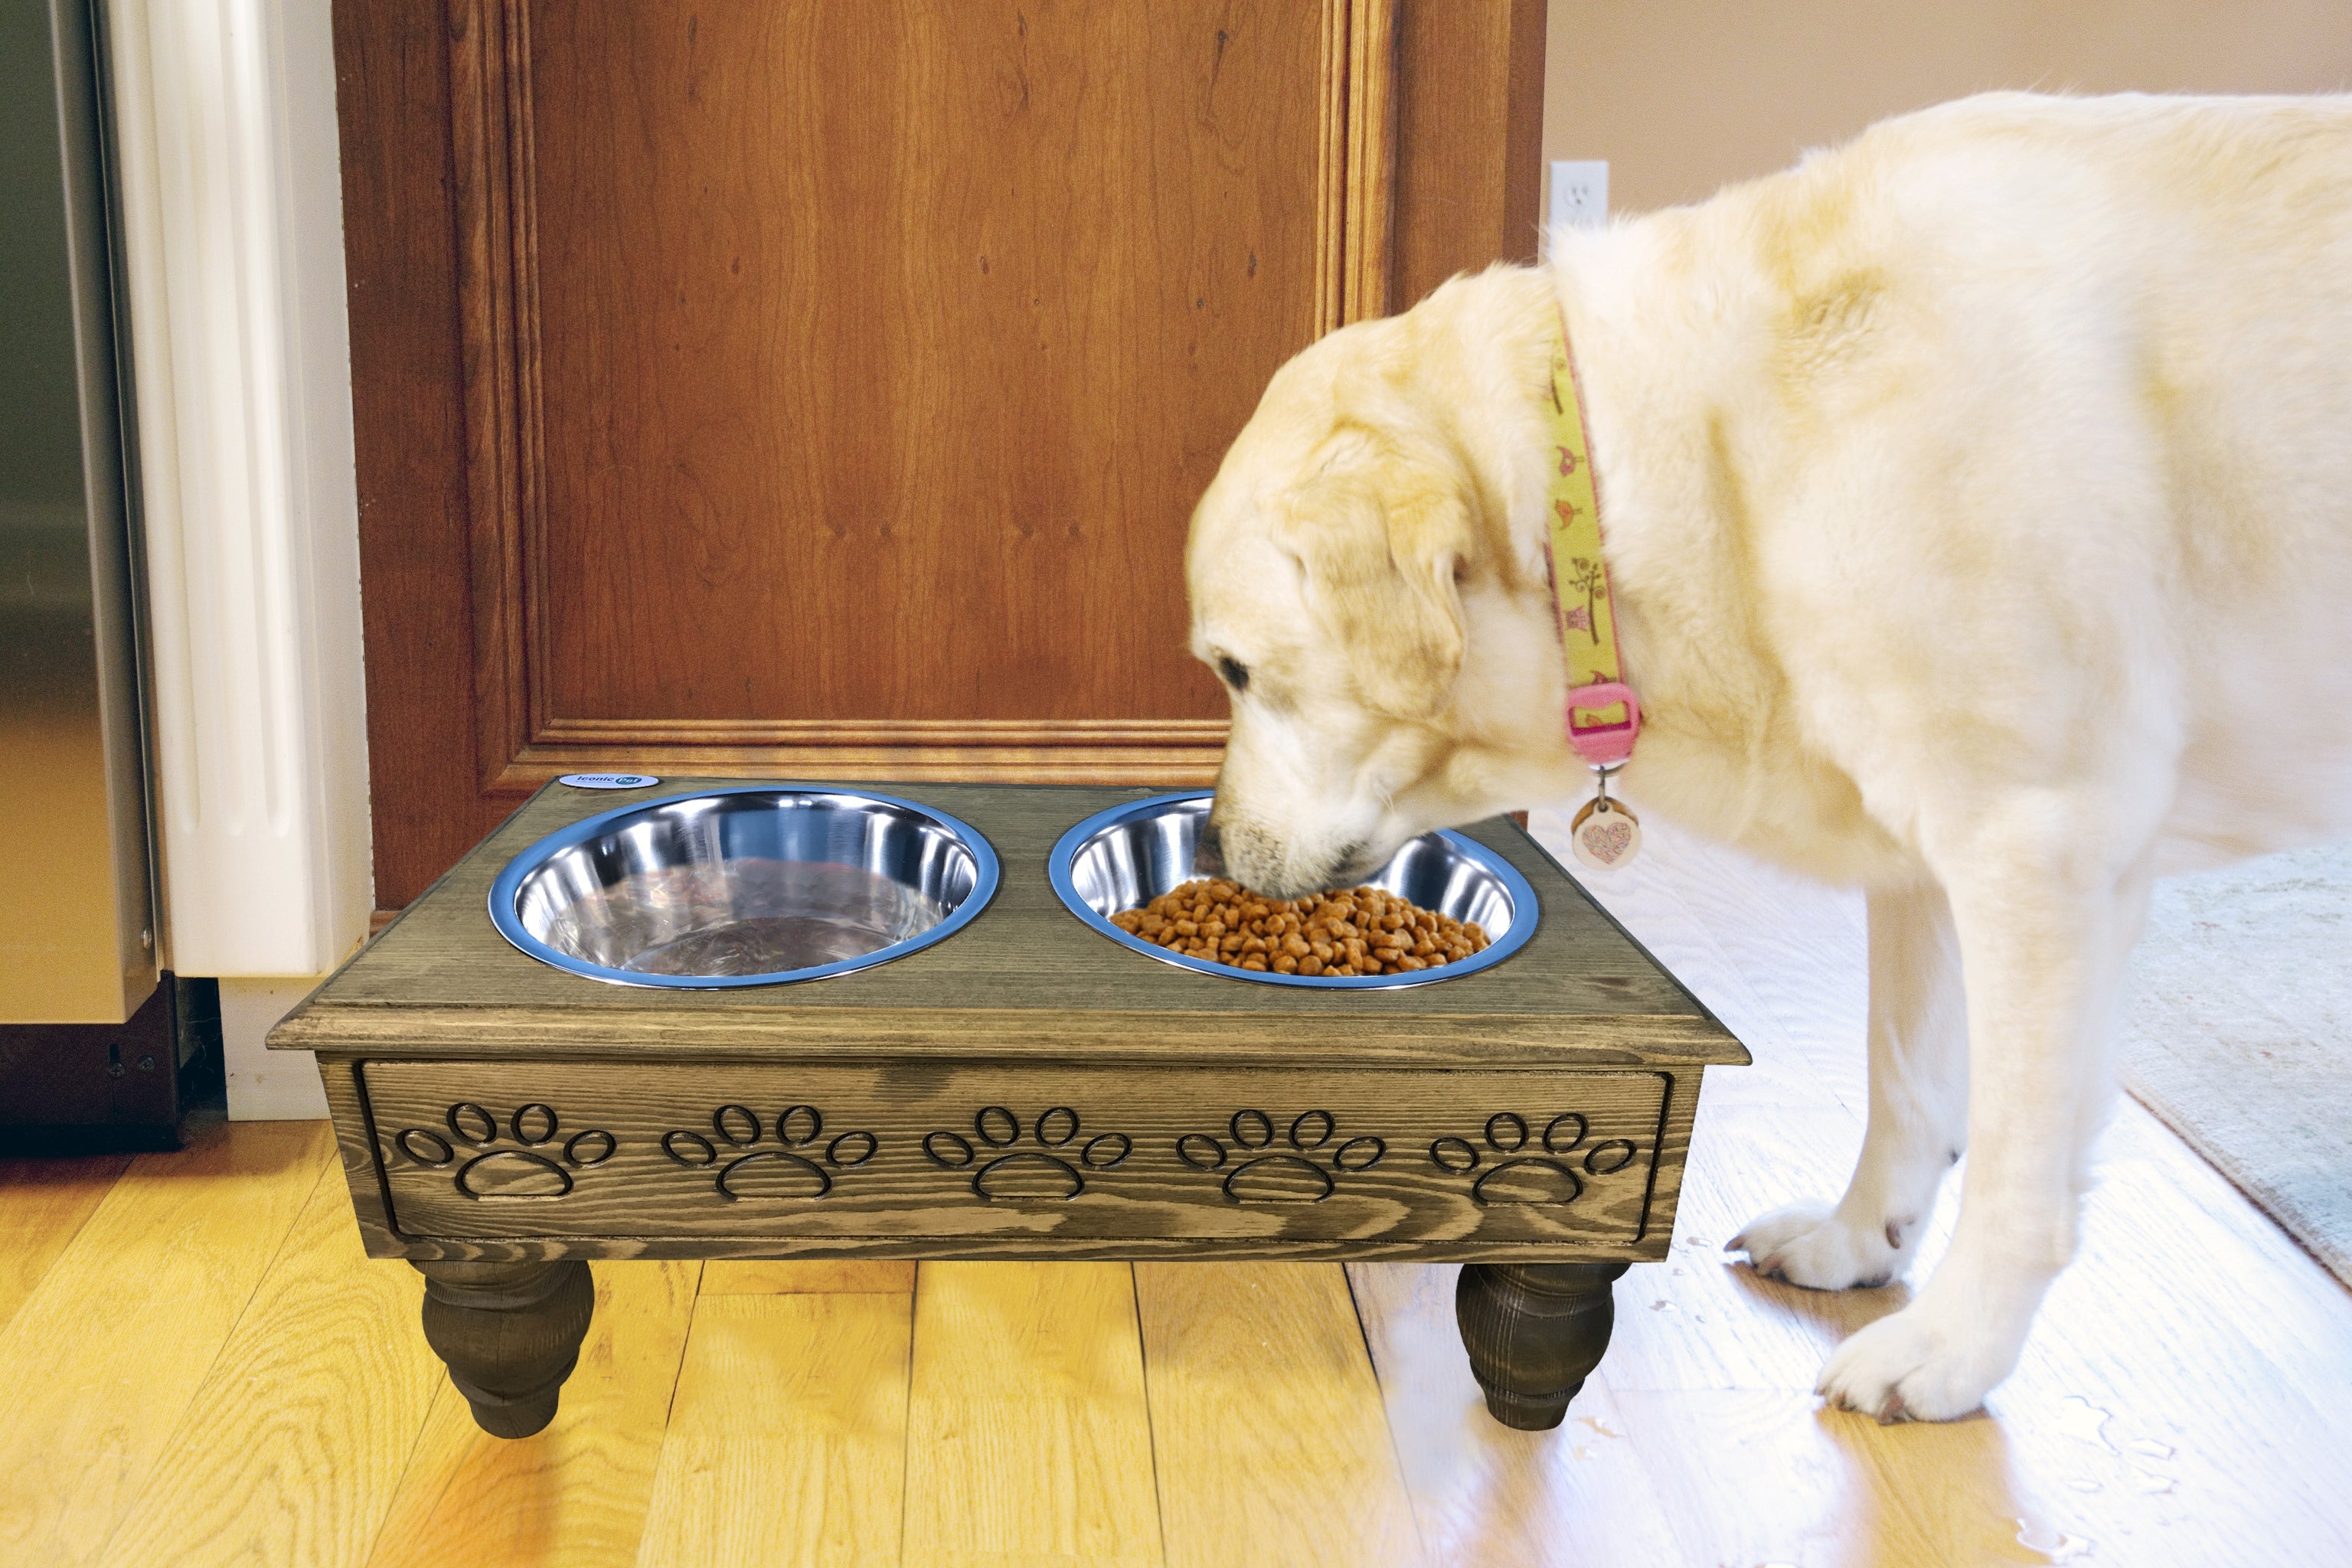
(1979, 503)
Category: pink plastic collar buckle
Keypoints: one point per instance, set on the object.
(1603, 745)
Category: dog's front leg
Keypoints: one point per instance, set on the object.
(1919, 1109)
(2043, 927)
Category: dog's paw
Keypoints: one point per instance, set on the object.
(1810, 1245)
(1916, 1366)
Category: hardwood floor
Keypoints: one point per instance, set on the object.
(200, 1368)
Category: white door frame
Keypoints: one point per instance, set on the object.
(231, 201)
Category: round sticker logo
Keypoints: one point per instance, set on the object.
(608, 780)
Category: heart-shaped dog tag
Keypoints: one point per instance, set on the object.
(1605, 834)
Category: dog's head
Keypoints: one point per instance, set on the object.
(1354, 583)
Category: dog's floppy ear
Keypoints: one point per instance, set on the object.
(1380, 537)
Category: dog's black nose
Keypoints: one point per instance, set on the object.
(1209, 852)
(1350, 863)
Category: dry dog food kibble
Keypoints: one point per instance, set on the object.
(1362, 931)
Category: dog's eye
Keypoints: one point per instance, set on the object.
(1235, 673)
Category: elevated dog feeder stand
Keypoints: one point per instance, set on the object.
(1024, 1088)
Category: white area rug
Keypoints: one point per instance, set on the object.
(2239, 1034)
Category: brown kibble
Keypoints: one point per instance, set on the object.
(1361, 931)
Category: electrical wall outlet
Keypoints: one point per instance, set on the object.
(1579, 193)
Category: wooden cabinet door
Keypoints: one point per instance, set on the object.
(815, 389)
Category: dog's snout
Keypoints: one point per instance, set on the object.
(1244, 851)
(1209, 851)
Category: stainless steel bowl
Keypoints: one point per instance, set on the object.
(1124, 857)
(752, 886)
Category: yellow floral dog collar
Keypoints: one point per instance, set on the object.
(1604, 716)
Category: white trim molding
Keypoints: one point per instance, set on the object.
(232, 214)
(266, 1085)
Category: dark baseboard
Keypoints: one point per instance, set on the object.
(91, 1088)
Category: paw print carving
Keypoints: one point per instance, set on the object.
(1513, 1174)
(1044, 1171)
(1262, 1174)
(539, 1167)
(797, 1167)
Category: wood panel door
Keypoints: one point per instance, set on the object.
(817, 389)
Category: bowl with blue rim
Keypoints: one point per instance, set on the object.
(1124, 857)
(750, 885)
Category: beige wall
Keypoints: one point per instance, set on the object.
(1682, 96)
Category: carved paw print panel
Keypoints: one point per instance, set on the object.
(537, 1166)
(748, 1163)
(1514, 1167)
(1053, 1165)
(962, 1153)
(1256, 1172)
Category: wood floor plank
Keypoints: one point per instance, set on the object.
(787, 1441)
(104, 1356)
(1482, 1492)
(1273, 1443)
(1028, 1437)
(576, 1495)
(293, 1447)
(43, 1205)
(1754, 1476)
(785, 1276)
(2180, 1399)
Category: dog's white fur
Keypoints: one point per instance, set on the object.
(1979, 508)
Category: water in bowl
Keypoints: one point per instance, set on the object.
(740, 917)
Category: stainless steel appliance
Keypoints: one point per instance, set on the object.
(96, 1044)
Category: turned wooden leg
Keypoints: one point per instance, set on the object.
(1534, 1330)
(509, 1333)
